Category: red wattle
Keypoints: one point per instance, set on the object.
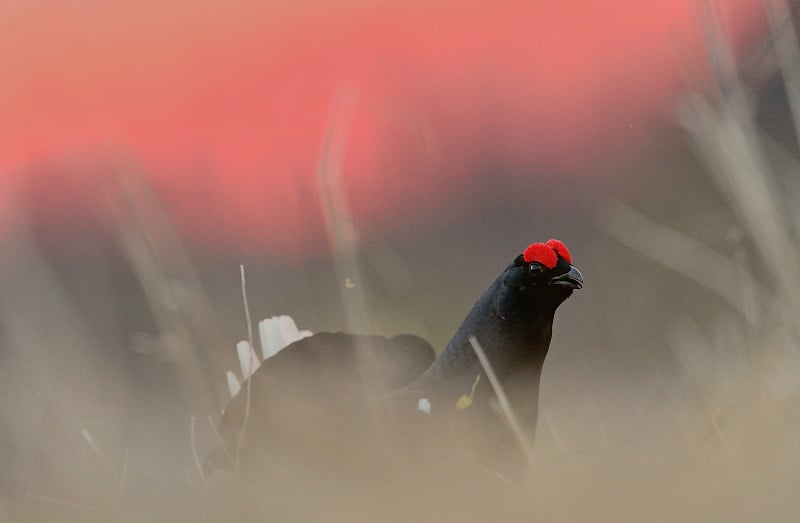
(560, 249)
(540, 253)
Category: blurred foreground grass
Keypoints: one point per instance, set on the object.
(671, 393)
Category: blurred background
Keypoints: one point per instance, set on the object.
(403, 152)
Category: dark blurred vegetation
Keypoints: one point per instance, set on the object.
(127, 333)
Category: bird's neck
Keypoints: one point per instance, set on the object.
(511, 336)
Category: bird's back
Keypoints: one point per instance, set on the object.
(316, 395)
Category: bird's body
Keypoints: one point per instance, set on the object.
(312, 395)
(319, 395)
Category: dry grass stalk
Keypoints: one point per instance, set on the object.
(243, 430)
(502, 399)
(343, 238)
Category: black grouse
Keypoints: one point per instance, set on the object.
(326, 403)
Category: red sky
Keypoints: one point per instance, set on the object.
(225, 104)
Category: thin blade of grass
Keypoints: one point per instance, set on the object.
(502, 399)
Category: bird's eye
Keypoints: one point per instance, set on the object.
(535, 268)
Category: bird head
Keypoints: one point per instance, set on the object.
(543, 273)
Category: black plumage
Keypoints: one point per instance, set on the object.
(337, 400)
(311, 396)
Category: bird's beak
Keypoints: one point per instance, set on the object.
(573, 279)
